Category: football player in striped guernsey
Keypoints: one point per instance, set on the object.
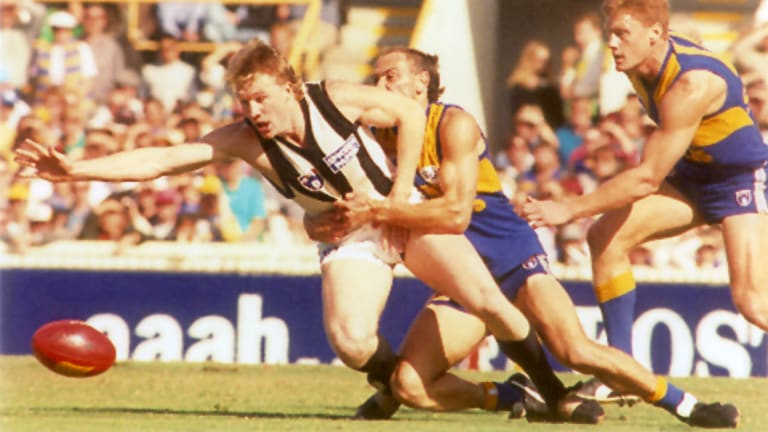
(313, 142)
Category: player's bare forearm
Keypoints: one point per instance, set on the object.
(141, 164)
(433, 216)
(410, 139)
(624, 189)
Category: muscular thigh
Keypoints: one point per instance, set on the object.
(449, 265)
(663, 214)
(355, 292)
(441, 336)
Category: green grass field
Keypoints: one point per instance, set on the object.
(198, 397)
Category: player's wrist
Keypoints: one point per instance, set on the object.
(379, 210)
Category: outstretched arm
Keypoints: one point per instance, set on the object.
(694, 95)
(133, 165)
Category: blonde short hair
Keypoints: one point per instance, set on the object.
(259, 57)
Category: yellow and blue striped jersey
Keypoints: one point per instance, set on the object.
(501, 237)
(431, 154)
(727, 141)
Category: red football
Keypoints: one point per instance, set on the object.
(73, 348)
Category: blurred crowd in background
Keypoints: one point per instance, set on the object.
(69, 78)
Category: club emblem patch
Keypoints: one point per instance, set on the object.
(531, 263)
(312, 180)
(744, 197)
(429, 173)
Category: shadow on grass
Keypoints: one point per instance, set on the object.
(182, 412)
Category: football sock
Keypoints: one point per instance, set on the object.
(500, 396)
(529, 355)
(672, 399)
(380, 366)
(617, 301)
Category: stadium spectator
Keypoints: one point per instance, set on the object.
(16, 48)
(544, 176)
(66, 61)
(640, 256)
(603, 164)
(513, 162)
(164, 221)
(571, 134)
(121, 108)
(584, 79)
(529, 124)
(572, 245)
(73, 137)
(155, 116)
(757, 92)
(215, 209)
(245, 196)
(170, 80)
(212, 71)
(17, 233)
(111, 221)
(109, 55)
(750, 52)
(706, 257)
(224, 23)
(181, 20)
(323, 35)
(531, 83)
(69, 203)
(578, 161)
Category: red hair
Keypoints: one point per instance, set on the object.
(648, 12)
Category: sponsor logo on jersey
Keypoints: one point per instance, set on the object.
(744, 197)
(340, 157)
(312, 180)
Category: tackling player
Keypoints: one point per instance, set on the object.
(464, 195)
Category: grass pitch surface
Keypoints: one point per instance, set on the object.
(197, 397)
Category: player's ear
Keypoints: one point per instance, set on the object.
(423, 78)
(656, 33)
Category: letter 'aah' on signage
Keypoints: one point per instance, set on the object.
(256, 339)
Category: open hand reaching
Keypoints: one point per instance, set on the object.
(43, 161)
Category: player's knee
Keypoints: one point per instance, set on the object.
(352, 344)
(409, 387)
(488, 306)
(604, 242)
(752, 303)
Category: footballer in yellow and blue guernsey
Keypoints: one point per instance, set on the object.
(464, 195)
(705, 163)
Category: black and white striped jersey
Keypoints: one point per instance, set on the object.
(336, 158)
